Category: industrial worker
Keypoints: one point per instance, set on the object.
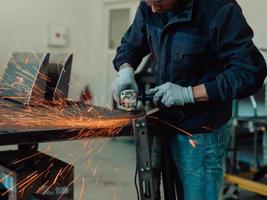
(205, 58)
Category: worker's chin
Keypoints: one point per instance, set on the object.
(160, 11)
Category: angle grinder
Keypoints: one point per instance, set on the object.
(129, 99)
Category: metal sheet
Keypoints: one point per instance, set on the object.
(34, 124)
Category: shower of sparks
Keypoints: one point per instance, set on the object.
(43, 115)
(89, 120)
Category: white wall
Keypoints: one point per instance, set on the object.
(24, 26)
(256, 15)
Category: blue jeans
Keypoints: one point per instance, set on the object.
(265, 148)
(201, 168)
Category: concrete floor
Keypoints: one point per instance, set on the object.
(110, 175)
(107, 167)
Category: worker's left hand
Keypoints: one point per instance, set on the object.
(170, 94)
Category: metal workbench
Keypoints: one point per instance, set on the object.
(29, 125)
(36, 131)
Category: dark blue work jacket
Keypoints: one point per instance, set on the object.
(207, 42)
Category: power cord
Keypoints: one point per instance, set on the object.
(135, 182)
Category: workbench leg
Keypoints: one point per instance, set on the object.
(143, 157)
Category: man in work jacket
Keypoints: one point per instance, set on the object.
(205, 58)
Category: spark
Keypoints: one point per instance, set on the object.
(26, 158)
(48, 188)
(21, 182)
(87, 164)
(171, 125)
(193, 143)
(72, 182)
(26, 61)
(82, 189)
(28, 182)
(94, 171)
(55, 180)
(208, 128)
(42, 187)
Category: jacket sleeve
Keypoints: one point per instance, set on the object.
(134, 45)
(244, 68)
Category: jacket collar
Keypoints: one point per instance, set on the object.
(182, 15)
(178, 16)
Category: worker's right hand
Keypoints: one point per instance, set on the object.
(125, 80)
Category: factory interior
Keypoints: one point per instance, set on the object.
(63, 134)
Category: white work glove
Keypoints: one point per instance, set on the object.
(170, 94)
(125, 80)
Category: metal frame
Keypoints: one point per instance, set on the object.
(41, 136)
(143, 156)
(245, 180)
(19, 62)
(245, 183)
(137, 127)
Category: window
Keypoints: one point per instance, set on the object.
(119, 20)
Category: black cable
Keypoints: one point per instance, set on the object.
(135, 182)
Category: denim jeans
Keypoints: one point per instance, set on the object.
(265, 148)
(201, 168)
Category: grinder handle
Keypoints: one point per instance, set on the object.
(145, 98)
